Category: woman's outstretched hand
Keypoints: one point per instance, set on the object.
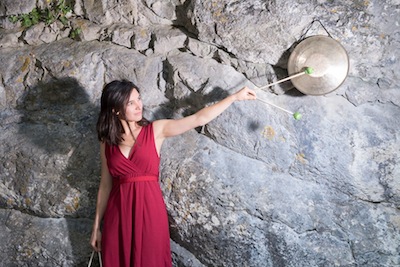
(245, 94)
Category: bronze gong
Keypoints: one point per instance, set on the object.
(327, 58)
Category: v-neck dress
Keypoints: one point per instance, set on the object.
(135, 227)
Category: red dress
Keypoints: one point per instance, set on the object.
(135, 227)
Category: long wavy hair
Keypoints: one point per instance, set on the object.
(114, 99)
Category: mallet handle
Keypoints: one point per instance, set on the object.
(261, 100)
(284, 80)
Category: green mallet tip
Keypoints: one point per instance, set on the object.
(297, 116)
(309, 70)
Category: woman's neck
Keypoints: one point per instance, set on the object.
(131, 128)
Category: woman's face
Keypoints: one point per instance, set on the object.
(134, 107)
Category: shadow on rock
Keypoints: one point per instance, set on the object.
(58, 167)
(190, 104)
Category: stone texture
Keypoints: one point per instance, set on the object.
(252, 188)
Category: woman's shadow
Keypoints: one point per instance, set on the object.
(58, 124)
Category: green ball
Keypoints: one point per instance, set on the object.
(309, 70)
(297, 116)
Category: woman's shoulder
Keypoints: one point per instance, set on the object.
(147, 128)
(158, 125)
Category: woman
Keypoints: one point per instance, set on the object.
(135, 225)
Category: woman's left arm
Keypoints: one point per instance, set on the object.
(169, 128)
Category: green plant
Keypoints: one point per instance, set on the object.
(75, 33)
(56, 10)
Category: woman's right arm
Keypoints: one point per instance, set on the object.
(102, 199)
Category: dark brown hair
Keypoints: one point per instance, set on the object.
(114, 98)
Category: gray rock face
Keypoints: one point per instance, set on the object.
(252, 188)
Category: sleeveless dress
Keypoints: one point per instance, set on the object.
(135, 226)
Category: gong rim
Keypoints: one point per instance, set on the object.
(328, 59)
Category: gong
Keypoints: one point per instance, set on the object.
(327, 58)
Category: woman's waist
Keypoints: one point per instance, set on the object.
(134, 177)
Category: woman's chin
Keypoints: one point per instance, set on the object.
(137, 118)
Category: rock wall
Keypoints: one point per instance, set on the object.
(252, 188)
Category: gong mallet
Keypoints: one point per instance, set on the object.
(296, 115)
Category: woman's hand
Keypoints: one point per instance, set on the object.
(95, 240)
(245, 94)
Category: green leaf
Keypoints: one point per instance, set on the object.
(26, 21)
(13, 19)
(49, 17)
(63, 20)
(75, 33)
(35, 16)
(34, 12)
(35, 20)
